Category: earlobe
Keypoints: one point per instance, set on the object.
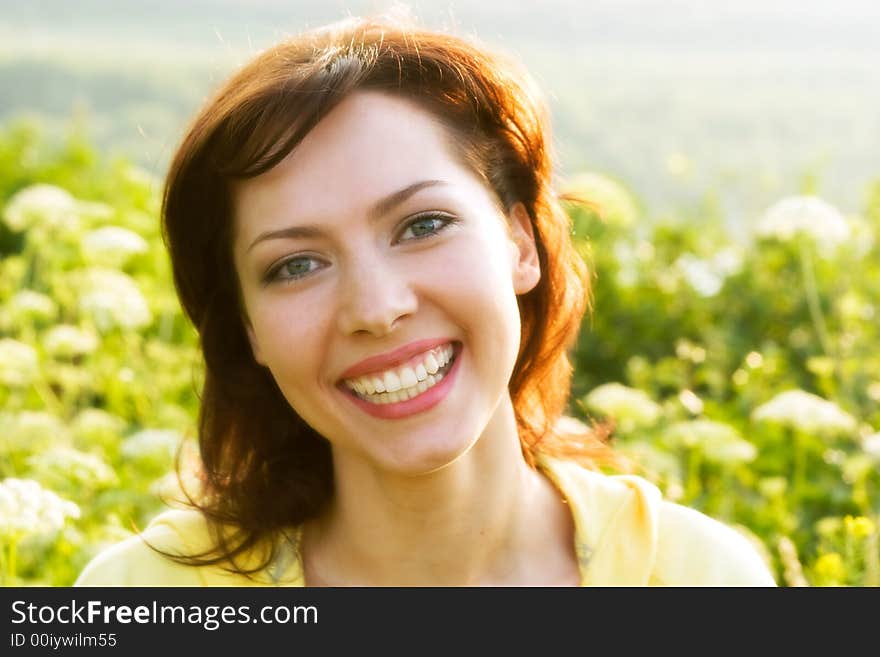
(526, 266)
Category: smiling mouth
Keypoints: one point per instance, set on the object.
(413, 378)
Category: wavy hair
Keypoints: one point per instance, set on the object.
(264, 468)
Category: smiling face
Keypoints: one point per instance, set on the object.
(379, 280)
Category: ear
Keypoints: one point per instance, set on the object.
(526, 267)
(252, 338)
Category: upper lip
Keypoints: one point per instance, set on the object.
(392, 358)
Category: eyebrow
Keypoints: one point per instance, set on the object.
(381, 207)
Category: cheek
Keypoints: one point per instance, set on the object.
(476, 276)
(290, 333)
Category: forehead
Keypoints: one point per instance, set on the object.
(368, 146)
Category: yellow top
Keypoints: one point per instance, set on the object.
(625, 535)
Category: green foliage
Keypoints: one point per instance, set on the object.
(97, 365)
(762, 356)
(741, 376)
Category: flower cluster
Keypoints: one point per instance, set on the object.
(19, 363)
(806, 412)
(112, 299)
(804, 215)
(719, 442)
(628, 407)
(27, 509)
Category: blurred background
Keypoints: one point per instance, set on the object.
(731, 149)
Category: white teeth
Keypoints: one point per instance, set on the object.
(407, 378)
(406, 382)
(392, 382)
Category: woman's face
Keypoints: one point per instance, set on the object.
(379, 280)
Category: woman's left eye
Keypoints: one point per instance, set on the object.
(425, 225)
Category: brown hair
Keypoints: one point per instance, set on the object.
(264, 467)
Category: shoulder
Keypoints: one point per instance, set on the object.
(135, 562)
(694, 549)
(633, 536)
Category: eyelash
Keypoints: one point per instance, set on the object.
(445, 222)
(274, 273)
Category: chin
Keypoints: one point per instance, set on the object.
(416, 461)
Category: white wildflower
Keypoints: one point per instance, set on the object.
(19, 364)
(706, 276)
(30, 430)
(719, 442)
(806, 215)
(629, 407)
(66, 341)
(806, 412)
(113, 300)
(692, 403)
(156, 445)
(27, 509)
(95, 426)
(659, 463)
(112, 246)
(699, 274)
(627, 264)
(69, 466)
(29, 305)
(871, 445)
(40, 205)
(687, 350)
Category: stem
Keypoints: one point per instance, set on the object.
(47, 395)
(849, 557)
(3, 575)
(800, 466)
(812, 291)
(10, 566)
(726, 498)
(692, 488)
(872, 558)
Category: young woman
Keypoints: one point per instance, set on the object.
(363, 231)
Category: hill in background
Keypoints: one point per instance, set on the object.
(696, 106)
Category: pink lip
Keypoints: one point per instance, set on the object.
(419, 403)
(392, 358)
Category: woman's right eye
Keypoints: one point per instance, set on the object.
(292, 269)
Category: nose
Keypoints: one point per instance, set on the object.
(374, 298)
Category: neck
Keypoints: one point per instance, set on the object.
(485, 519)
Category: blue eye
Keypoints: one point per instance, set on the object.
(424, 226)
(292, 269)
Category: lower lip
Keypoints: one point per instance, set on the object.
(418, 404)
